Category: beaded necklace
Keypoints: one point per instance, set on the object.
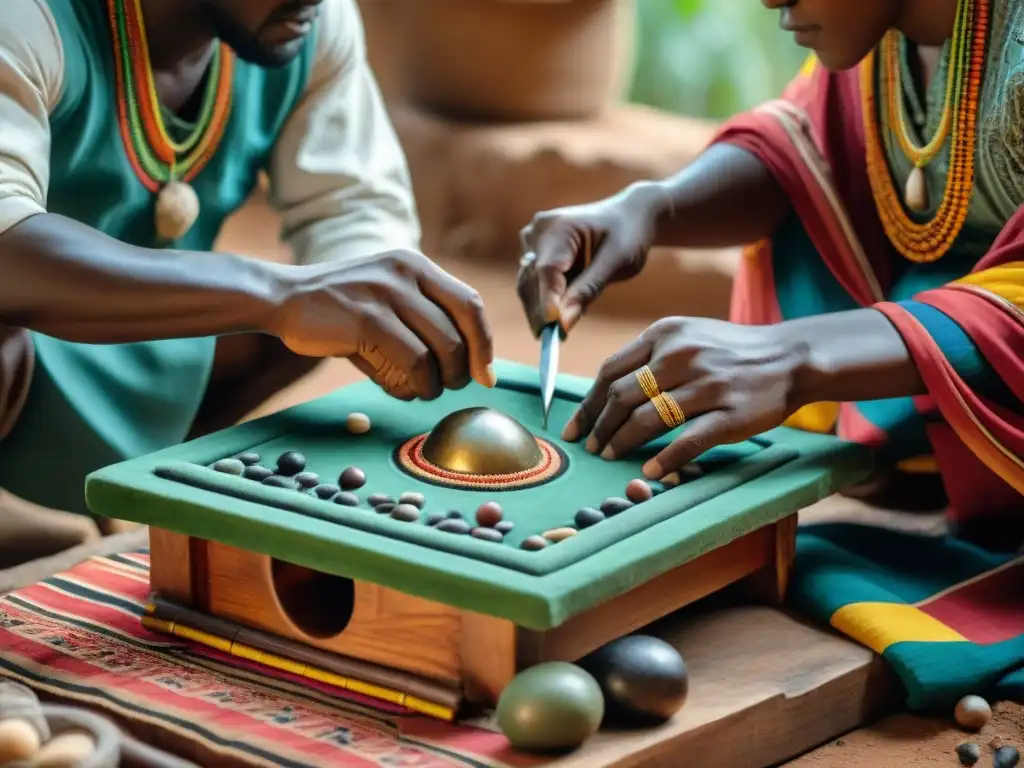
(162, 165)
(928, 241)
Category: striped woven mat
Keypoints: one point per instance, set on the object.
(78, 637)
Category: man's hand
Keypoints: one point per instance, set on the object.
(406, 323)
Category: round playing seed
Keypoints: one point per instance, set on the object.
(588, 516)
(385, 509)
(534, 543)
(352, 478)
(407, 513)
(453, 525)
(1006, 757)
(968, 753)
(19, 740)
(229, 466)
(346, 499)
(504, 526)
(488, 514)
(376, 499)
(455, 515)
(249, 458)
(279, 481)
(559, 534)
(638, 491)
(326, 491)
(972, 712)
(357, 423)
(256, 472)
(614, 505)
(418, 500)
(435, 517)
(487, 534)
(307, 479)
(290, 463)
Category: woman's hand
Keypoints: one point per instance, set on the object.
(730, 382)
(571, 254)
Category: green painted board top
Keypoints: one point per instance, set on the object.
(745, 487)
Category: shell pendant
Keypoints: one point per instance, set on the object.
(916, 192)
(177, 208)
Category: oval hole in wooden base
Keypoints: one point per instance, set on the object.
(318, 604)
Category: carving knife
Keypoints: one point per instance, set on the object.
(550, 339)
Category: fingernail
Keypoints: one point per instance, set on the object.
(592, 444)
(570, 316)
(492, 377)
(653, 471)
(571, 433)
(608, 453)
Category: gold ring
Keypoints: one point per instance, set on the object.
(648, 384)
(669, 410)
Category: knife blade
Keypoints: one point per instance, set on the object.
(550, 340)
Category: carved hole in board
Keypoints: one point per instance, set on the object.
(318, 604)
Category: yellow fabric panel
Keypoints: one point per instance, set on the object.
(879, 625)
(919, 465)
(1006, 281)
(809, 65)
(816, 417)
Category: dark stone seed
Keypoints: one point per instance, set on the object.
(416, 499)
(453, 525)
(385, 509)
(307, 479)
(229, 466)
(435, 517)
(326, 491)
(352, 478)
(347, 499)
(1005, 757)
(257, 472)
(969, 753)
(504, 526)
(588, 516)
(290, 463)
(279, 481)
(248, 458)
(455, 515)
(614, 505)
(487, 534)
(376, 499)
(534, 543)
(407, 513)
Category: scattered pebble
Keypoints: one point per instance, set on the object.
(638, 491)
(435, 517)
(489, 514)
(326, 491)
(588, 516)
(672, 480)
(504, 526)
(257, 473)
(407, 513)
(1005, 757)
(290, 463)
(972, 712)
(278, 481)
(487, 534)
(969, 753)
(614, 505)
(375, 499)
(386, 508)
(453, 525)
(691, 471)
(249, 458)
(19, 740)
(455, 514)
(346, 499)
(65, 751)
(534, 543)
(229, 466)
(418, 500)
(559, 534)
(307, 479)
(351, 479)
(357, 423)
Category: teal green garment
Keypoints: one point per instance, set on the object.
(93, 405)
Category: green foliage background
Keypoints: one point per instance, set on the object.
(710, 58)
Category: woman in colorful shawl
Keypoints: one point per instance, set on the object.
(880, 294)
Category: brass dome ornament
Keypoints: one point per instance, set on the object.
(481, 448)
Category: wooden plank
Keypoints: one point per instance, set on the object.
(170, 571)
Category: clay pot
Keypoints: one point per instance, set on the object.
(518, 60)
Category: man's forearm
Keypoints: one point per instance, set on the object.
(69, 281)
(726, 197)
